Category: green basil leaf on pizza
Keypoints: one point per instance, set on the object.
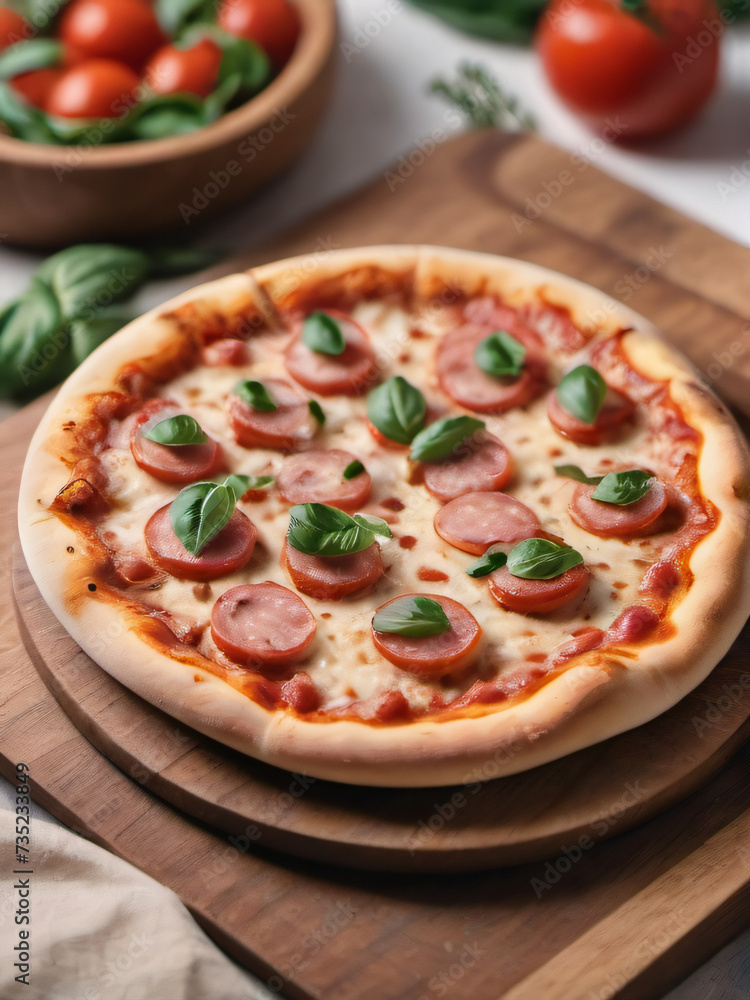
(177, 431)
(441, 439)
(412, 616)
(500, 355)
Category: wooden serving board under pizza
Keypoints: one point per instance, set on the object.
(584, 915)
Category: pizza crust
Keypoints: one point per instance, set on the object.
(597, 696)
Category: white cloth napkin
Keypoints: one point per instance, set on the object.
(99, 928)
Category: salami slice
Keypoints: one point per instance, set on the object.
(433, 655)
(349, 373)
(537, 596)
(318, 477)
(609, 520)
(616, 409)
(329, 578)
(227, 351)
(224, 554)
(180, 464)
(475, 521)
(286, 428)
(485, 466)
(463, 380)
(262, 626)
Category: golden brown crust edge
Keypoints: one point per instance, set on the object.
(599, 696)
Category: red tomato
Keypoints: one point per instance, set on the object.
(124, 30)
(621, 73)
(194, 70)
(37, 85)
(100, 88)
(13, 28)
(272, 24)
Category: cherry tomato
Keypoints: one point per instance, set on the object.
(631, 75)
(13, 28)
(194, 70)
(272, 24)
(37, 85)
(99, 88)
(124, 30)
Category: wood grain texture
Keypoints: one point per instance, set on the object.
(674, 888)
(627, 779)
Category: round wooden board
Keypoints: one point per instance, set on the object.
(568, 804)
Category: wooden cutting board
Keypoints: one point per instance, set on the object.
(625, 917)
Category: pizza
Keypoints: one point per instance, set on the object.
(399, 516)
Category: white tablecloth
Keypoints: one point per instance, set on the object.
(102, 929)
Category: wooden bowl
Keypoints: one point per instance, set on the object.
(57, 195)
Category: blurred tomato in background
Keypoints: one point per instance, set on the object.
(651, 64)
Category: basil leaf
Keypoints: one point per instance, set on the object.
(25, 56)
(374, 524)
(165, 115)
(177, 431)
(397, 409)
(34, 344)
(245, 61)
(87, 277)
(581, 392)
(573, 472)
(487, 563)
(24, 121)
(199, 512)
(241, 484)
(174, 15)
(502, 20)
(623, 488)
(170, 261)
(317, 411)
(442, 438)
(500, 354)
(412, 616)
(354, 469)
(87, 334)
(322, 334)
(541, 559)
(320, 530)
(256, 395)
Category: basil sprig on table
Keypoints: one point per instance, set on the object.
(412, 616)
(200, 511)
(397, 409)
(71, 306)
(255, 395)
(177, 431)
(502, 20)
(441, 439)
(621, 488)
(541, 559)
(500, 354)
(322, 334)
(320, 530)
(581, 392)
